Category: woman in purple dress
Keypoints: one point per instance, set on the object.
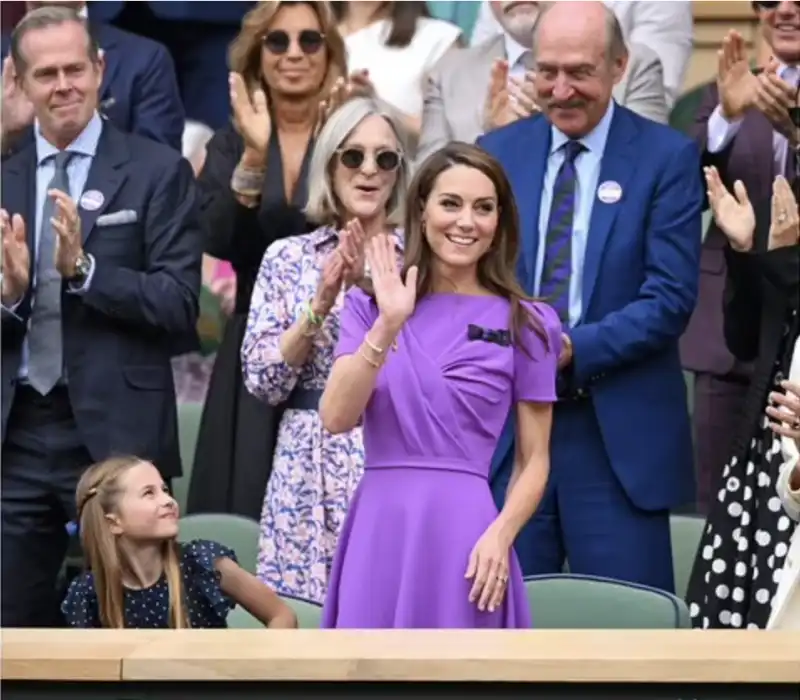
(432, 359)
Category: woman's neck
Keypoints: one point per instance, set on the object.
(455, 280)
(296, 115)
(142, 564)
(361, 14)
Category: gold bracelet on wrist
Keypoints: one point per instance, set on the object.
(372, 363)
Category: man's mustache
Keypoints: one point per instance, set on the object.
(566, 104)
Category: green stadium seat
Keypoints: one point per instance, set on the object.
(189, 416)
(570, 601)
(239, 533)
(309, 615)
(686, 532)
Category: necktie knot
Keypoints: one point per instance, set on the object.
(62, 159)
(572, 149)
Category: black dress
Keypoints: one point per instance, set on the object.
(747, 532)
(148, 608)
(237, 436)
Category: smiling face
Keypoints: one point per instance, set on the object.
(460, 219)
(780, 24)
(144, 510)
(61, 79)
(517, 19)
(365, 169)
(294, 54)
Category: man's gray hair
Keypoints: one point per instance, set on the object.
(323, 206)
(42, 18)
(616, 47)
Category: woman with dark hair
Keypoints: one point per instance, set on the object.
(747, 534)
(432, 359)
(284, 62)
(395, 44)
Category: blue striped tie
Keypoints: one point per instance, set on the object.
(557, 269)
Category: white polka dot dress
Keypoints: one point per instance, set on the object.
(746, 539)
(148, 608)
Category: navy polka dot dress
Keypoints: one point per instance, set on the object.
(208, 606)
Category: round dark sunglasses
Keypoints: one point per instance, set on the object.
(770, 4)
(353, 159)
(309, 40)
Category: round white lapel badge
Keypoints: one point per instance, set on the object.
(609, 192)
(92, 200)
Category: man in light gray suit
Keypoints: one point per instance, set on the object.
(457, 93)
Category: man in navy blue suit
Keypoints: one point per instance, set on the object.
(610, 211)
(102, 253)
(139, 93)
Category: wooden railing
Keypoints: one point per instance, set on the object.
(650, 657)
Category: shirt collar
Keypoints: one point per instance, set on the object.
(85, 143)
(594, 141)
(514, 50)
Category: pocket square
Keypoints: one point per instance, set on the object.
(126, 216)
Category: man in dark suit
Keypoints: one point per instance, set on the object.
(101, 276)
(611, 239)
(139, 93)
(738, 129)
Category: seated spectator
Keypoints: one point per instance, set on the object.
(139, 93)
(747, 535)
(254, 186)
(488, 86)
(666, 27)
(396, 44)
(139, 576)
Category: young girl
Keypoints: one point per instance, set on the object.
(139, 575)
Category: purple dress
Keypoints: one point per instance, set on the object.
(430, 430)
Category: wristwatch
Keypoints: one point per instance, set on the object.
(83, 266)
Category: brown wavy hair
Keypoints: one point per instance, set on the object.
(244, 55)
(97, 495)
(497, 269)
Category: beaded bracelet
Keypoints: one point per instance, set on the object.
(246, 182)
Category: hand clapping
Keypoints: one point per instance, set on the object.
(358, 84)
(733, 214)
(16, 258)
(250, 114)
(351, 249)
(784, 411)
(784, 229)
(395, 298)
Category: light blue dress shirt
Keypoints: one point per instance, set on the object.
(84, 147)
(587, 165)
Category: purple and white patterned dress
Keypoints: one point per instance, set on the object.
(314, 473)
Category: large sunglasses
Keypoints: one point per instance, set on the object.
(770, 4)
(353, 159)
(278, 41)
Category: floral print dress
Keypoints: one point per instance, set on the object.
(314, 473)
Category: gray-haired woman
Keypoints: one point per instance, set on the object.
(357, 182)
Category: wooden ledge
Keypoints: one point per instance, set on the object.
(314, 655)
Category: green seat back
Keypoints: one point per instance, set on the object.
(239, 533)
(309, 615)
(570, 601)
(684, 112)
(189, 416)
(686, 532)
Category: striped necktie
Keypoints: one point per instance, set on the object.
(557, 269)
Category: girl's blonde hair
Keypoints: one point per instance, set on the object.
(96, 497)
(244, 55)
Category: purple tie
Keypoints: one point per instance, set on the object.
(557, 269)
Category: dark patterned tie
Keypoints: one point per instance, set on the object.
(557, 269)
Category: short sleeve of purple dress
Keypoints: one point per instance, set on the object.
(430, 430)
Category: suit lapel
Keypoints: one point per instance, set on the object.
(615, 169)
(106, 176)
(527, 167)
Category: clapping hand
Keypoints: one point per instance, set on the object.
(733, 213)
(67, 225)
(784, 411)
(330, 284)
(395, 298)
(497, 108)
(351, 249)
(250, 114)
(16, 258)
(736, 83)
(773, 98)
(488, 568)
(358, 84)
(17, 109)
(784, 229)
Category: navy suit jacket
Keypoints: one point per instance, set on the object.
(143, 299)
(140, 90)
(639, 289)
(227, 12)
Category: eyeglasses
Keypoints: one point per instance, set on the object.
(770, 4)
(353, 159)
(278, 41)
